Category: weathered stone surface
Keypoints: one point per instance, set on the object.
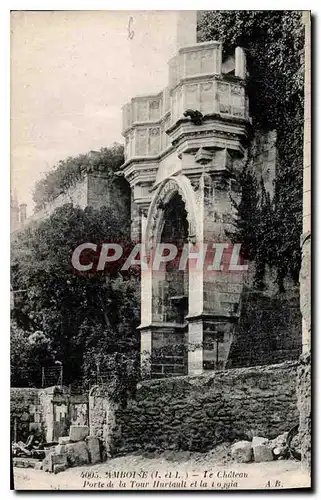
(304, 406)
(281, 326)
(93, 446)
(58, 458)
(305, 283)
(242, 451)
(24, 404)
(257, 440)
(279, 441)
(59, 468)
(25, 462)
(262, 453)
(38, 466)
(203, 411)
(47, 463)
(52, 449)
(64, 440)
(78, 433)
(53, 459)
(60, 449)
(77, 453)
(104, 421)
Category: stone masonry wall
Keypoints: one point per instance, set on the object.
(199, 412)
(77, 195)
(102, 419)
(94, 191)
(104, 192)
(24, 410)
(304, 406)
(268, 330)
(34, 408)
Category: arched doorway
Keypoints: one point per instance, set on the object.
(170, 283)
(171, 219)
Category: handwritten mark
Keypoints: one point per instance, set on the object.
(131, 32)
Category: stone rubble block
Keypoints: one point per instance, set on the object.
(47, 463)
(60, 449)
(78, 433)
(58, 458)
(279, 441)
(25, 462)
(257, 440)
(64, 440)
(262, 453)
(242, 451)
(77, 453)
(93, 446)
(59, 468)
(49, 450)
(53, 459)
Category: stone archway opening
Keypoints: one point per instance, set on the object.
(171, 220)
(170, 290)
(170, 294)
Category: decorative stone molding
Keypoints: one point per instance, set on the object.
(203, 156)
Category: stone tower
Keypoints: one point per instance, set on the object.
(181, 168)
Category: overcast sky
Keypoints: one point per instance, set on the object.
(71, 73)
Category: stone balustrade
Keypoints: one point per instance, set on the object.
(195, 61)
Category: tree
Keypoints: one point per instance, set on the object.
(86, 317)
(28, 352)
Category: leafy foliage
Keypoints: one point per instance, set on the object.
(28, 352)
(87, 318)
(274, 46)
(72, 170)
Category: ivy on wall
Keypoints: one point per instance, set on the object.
(274, 45)
(67, 173)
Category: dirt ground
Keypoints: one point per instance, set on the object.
(169, 471)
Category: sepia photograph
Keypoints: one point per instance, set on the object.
(160, 267)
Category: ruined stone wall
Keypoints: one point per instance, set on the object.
(199, 412)
(25, 409)
(102, 419)
(34, 408)
(268, 330)
(304, 406)
(95, 191)
(111, 193)
(77, 195)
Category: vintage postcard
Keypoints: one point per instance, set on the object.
(160, 250)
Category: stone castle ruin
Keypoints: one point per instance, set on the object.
(183, 149)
